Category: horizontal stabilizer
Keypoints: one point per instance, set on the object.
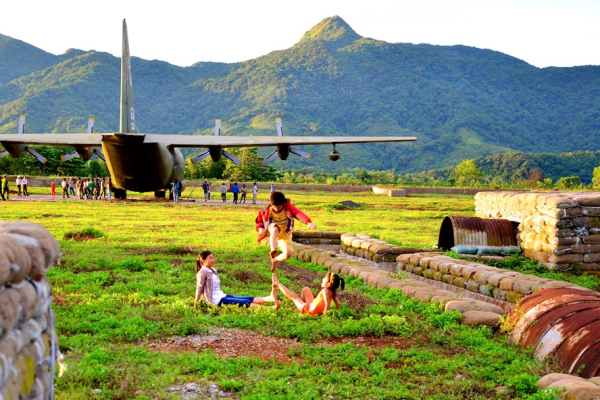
(300, 153)
(37, 155)
(99, 154)
(233, 158)
(67, 157)
(269, 158)
(200, 157)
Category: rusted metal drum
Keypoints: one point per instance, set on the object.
(475, 231)
(563, 323)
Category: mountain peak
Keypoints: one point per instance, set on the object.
(332, 29)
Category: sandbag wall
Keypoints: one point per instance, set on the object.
(316, 237)
(28, 341)
(500, 284)
(557, 229)
(363, 246)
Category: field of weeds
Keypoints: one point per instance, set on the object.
(124, 292)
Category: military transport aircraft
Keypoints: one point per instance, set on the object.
(149, 162)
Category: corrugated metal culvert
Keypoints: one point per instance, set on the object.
(564, 323)
(474, 231)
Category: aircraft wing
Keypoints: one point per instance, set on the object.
(95, 140)
(54, 139)
(264, 141)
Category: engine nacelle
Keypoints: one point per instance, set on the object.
(215, 153)
(283, 151)
(84, 152)
(334, 155)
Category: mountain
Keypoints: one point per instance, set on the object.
(461, 102)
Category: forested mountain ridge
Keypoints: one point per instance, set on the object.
(461, 102)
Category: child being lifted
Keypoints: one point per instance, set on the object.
(277, 222)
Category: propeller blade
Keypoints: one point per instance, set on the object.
(90, 125)
(37, 155)
(67, 157)
(300, 153)
(233, 158)
(21, 124)
(99, 154)
(269, 158)
(3, 153)
(200, 157)
(279, 125)
(217, 127)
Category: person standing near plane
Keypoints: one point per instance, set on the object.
(90, 188)
(19, 184)
(71, 188)
(175, 190)
(4, 188)
(236, 191)
(65, 188)
(224, 192)
(244, 193)
(109, 187)
(205, 188)
(272, 188)
(254, 193)
(24, 182)
(52, 189)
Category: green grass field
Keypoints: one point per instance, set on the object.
(125, 283)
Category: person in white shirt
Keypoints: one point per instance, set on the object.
(254, 193)
(65, 187)
(24, 186)
(19, 184)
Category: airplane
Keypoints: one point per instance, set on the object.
(144, 162)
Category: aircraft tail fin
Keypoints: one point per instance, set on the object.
(128, 122)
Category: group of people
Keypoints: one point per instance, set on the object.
(235, 189)
(274, 225)
(87, 188)
(21, 187)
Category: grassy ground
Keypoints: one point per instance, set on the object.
(126, 281)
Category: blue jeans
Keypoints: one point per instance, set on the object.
(239, 300)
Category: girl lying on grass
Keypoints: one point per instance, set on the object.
(208, 286)
(307, 303)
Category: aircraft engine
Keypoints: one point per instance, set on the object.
(215, 153)
(283, 151)
(334, 155)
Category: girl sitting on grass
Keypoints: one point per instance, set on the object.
(208, 287)
(307, 303)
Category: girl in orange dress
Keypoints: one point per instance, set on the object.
(307, 303)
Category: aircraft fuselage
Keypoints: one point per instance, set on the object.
(141, 167)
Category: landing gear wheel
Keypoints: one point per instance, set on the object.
(160, 194)
(120, 194)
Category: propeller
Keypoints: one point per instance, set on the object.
(216, 152)
(85, 152)
(283, 150)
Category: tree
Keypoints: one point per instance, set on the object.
(467, 173)
(568, 182)
(596, 177)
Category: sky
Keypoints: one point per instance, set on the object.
(560, 33)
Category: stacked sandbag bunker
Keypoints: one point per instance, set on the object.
(557, 229)
(28, 341)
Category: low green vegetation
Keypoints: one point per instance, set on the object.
(126, 288)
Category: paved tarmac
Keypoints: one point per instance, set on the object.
(184, 201)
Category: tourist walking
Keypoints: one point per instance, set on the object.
(254, 193)
(65, 188)
(110, 188)
(19, 179)
(52, 189)
(206, 189)
(244, 192)
(272, 188)
(4, 188)
(175, 190)
(71, 188)
(224, 192)
(236, 191)
(24, 182)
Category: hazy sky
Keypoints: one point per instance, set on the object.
(182, 32)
